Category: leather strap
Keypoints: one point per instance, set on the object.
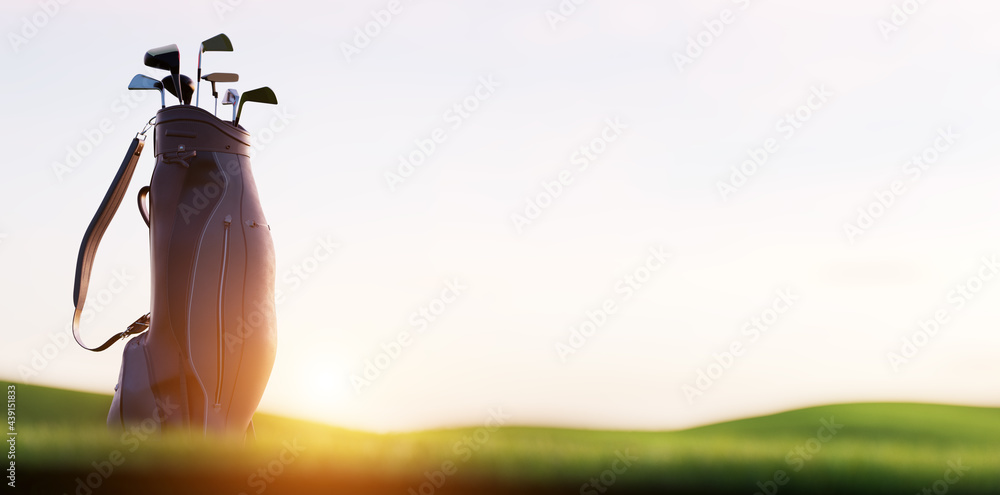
(88, 248)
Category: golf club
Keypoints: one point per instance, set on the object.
(167, 58)
(142, 81)
(220, 77)
(259, 95)
(217, 43)
(232, 97)
(186, 85)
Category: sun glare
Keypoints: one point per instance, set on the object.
(322, 384)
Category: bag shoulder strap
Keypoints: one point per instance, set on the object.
(91, 239)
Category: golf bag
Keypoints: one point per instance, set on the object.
(204, 362)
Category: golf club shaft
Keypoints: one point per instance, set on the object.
(216, 95)
(177, 86)
(197, 91)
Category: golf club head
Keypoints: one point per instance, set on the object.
(184, 82)
(166, 58)
(142, 81)
(222, 77)
(232, 97)
(226, 77)
(217, 43)
(259, 95)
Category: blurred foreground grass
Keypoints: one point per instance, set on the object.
(64, 447)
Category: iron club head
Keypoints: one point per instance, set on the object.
(259, 95)
(217, 43)
(142, 81)
(232, 97)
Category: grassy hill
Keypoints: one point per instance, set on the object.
(64, 447)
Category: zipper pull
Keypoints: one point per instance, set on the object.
(253, 224)
(228, 220)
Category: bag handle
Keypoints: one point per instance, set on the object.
(92, 238)
(143, 209)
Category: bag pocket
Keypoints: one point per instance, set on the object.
(133, 401)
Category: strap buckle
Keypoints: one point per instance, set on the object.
(138, 326)
(141, 136)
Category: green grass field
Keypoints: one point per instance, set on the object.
(62, 444)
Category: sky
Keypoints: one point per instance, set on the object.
(632, 215)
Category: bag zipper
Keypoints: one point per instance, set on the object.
(222, 321)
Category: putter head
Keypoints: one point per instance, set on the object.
(217, 43)
(184, 82)
(226, 77)
(142, 81)
(259, 95)
(166, 58)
